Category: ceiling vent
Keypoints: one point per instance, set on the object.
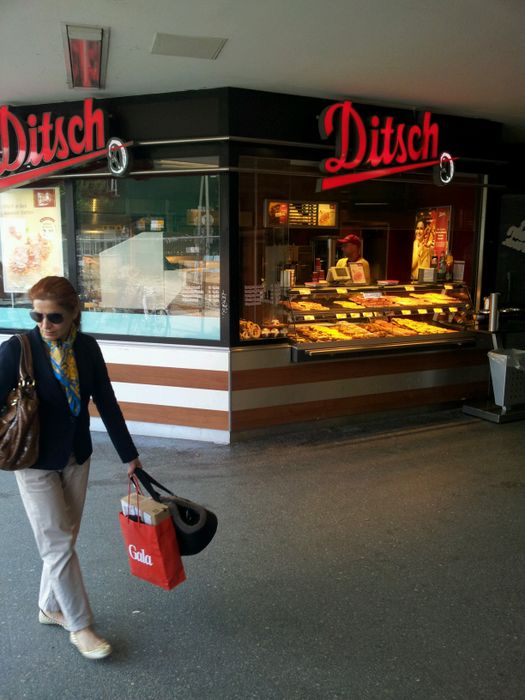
(187, 46)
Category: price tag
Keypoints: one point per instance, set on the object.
(453, 309)
(448, 286)
(409, 288)
(438, 311)
(406, 312)
(340, 315)
(309, 318)
(341, 290)
(372, 295)
(355, 315)
(368, 314)
(422, 311)
(303, 291)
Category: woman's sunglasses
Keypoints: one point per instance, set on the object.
(55, 319)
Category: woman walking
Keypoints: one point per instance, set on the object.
(69, 370)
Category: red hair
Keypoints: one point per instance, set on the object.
(57, 289)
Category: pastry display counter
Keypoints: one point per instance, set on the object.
(329, 321)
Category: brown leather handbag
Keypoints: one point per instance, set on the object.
(19, 423)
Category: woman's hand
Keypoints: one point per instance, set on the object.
(134, 464)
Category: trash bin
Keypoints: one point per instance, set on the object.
(507, 370)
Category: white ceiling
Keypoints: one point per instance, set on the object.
(463, 57)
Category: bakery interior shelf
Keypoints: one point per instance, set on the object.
(334, 321)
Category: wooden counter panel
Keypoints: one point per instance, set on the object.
(307, 372)
(169, 376)
(335, 408)
(172, 415)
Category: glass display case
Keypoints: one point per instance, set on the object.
(325, 321)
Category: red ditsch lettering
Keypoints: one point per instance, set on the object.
(52, 139)
(76, 123)
(383, 144)
(93, 122)
(349, 119)
(34, 157)
(60, 147)
(414, 133)
(11, 130)
(430, 133)
(400, 152)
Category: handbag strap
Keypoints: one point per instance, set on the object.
(149, 482)
(26, 361)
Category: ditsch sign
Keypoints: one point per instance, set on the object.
(384, 148)
(44, 146)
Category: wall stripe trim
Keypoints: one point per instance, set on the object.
(169, 376)
(172, 415)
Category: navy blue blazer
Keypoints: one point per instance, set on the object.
(61, 433)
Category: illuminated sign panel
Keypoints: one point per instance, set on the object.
(300, 214)
(382, 148)
(39, 147)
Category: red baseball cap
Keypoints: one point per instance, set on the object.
(350, 238)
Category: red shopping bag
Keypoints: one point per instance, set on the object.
(153, 552)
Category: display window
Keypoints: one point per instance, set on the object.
(146, 253)
(286, 241)
(148, 256)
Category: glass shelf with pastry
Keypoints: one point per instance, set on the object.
(335, 320)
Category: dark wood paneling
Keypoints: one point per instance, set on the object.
(345, 369)
(332, 408)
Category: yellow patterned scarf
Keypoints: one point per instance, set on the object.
(65, 369)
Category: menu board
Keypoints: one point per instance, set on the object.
(30, 236)
(300, 214)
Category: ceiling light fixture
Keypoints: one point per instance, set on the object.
(86, 54)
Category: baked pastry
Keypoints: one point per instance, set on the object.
(372, 301)
(349, 304)
(249, 330)
(421, 327)
(404, 301)
(434, 298)
(391, 329)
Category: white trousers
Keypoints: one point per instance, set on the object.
(54, 501)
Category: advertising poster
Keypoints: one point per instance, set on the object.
(327, 215)
(276, 214)
(431, 237)
(30, 236)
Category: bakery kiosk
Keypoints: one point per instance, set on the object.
(205, 268)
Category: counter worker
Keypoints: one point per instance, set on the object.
(351, 248)
(69, 369)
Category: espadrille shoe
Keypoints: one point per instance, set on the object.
(99, 652)
(48, 619)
